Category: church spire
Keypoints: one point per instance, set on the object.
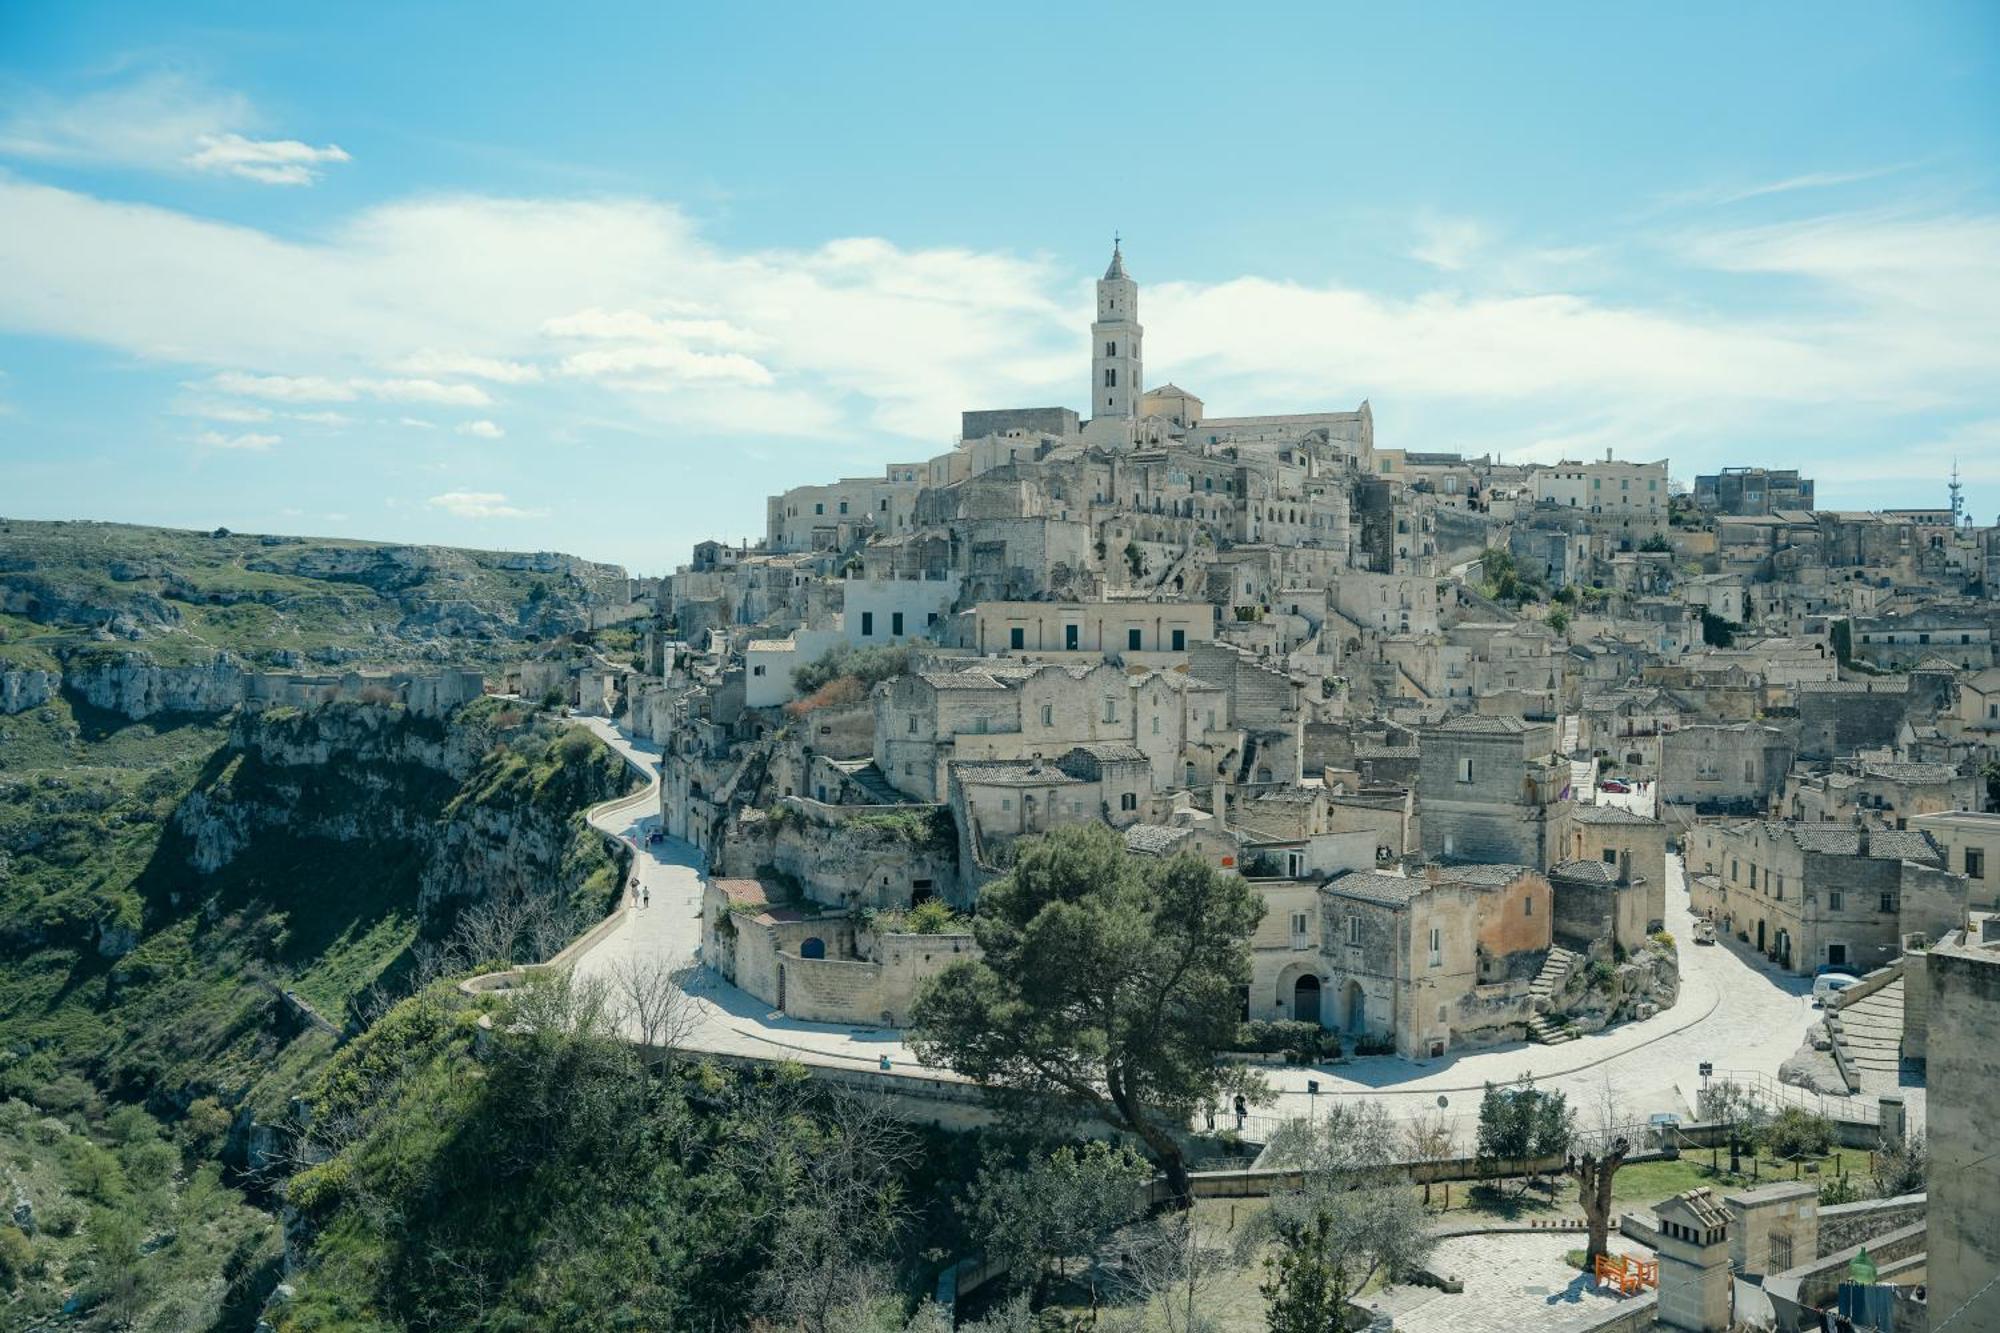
(1117, 372)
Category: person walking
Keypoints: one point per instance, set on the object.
(645, 897)
(1242, 1111)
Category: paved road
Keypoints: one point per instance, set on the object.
(1513, 1281)
(726, 1019)
(1734, 1009)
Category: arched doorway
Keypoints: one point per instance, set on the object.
(814, 947)
(1305, 999)
(1357, 1007)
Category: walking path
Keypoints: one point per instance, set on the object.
(1734, 1009)
(726, 1019)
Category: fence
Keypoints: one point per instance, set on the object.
(1773, 1095)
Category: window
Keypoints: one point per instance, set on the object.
(1110, 710)
(895, 623)
(1156, 724)
(1006, 803)
(1437, 946)
(1111, 349)
(1888, 902)
(1610, 856)
(1353, 929)
(867, 624)
(913, 725)
(1048, 715)
(1069, 637)
(1975, 863)
(1465, 770)
(1017, 638)
(1180, 640)
(819, 508)
(1128, 801)
(1527, 907)
(1834, 900)
(1298, 929)
(757, 670)
(1132, 640)
(1110, 377)
(843, 506)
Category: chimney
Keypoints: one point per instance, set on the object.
(1431, 872)
(1625, 868)
(1861, 848)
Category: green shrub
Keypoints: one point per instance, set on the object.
(17, 1257)
(1303, 1042)
(1795, 1132)
(1665, 939)
(933, 916)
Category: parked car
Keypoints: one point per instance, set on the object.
(1614, 784)
(1830, 985)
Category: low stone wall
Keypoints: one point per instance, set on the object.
(1818, 1283)
(1633, 1314)
(1847, 1224)
(1867, 986)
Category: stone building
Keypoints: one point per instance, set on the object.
(1808, 894)
(1423, 961)
(1753, 490)
(824, 967)
(1970, 845)
(1962, 975)
(1492, 789)
(1735, 767)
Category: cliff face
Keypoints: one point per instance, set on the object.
(26, 687)
(486, 804)
(132, 685)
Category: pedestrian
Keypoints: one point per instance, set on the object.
(1242, 1110)
(645, 897)
(1210, 1109)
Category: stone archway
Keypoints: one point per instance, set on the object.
(1305, 999)
(1356, 1008)
(813, 947)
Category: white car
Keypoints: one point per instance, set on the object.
(1833, 983)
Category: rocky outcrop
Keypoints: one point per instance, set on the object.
(134, 686)
(22, 688)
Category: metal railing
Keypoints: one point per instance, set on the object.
(1769, 1092)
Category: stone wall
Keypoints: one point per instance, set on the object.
(1848, 1224)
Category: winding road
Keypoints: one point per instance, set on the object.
(1735, 1010)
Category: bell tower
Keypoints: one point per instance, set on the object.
(1117, 375)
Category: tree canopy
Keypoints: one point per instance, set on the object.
(1103, 980)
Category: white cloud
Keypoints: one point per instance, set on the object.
(270, 161)
(426, 391)
(211, 439)
(282, 388)
(500, 371)
(426, 301)
(162, 121)
(320, 389)
(416, 423)
(485, 430)
(1447, 243)
(239, 413)
(480, 504)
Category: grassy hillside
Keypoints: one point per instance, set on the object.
(164, 885)
(275, 600)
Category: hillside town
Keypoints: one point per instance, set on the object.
(1582, 769)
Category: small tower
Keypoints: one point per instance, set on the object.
(1117, 372)
(1694, 1263)
(1957, 499)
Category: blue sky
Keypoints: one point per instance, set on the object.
(599, 278)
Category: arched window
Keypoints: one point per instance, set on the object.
(813, 947)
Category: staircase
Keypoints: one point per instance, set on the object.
(1546, 988)
(1542, 1031)
(1869, 1033)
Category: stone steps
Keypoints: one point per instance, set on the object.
(1541, 1030)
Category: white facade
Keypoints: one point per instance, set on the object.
(885, 611)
